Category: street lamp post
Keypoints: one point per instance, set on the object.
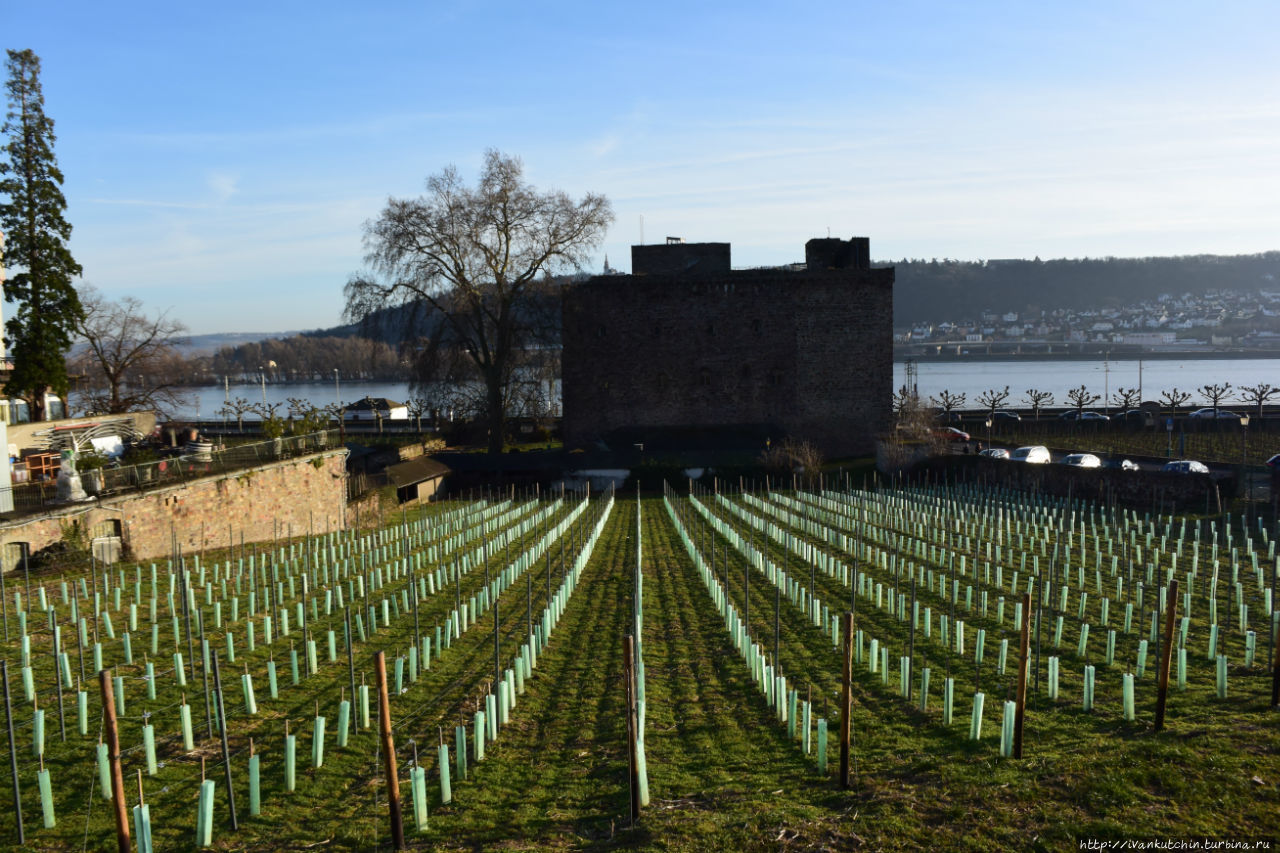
(262, 377)
(988, 433)
(337, 401)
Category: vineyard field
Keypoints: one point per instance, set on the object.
(502, 624)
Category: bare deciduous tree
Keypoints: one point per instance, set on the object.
(1216, 393)
(1125, 398)
(1258, 395)
(791, 458)
(1175, 399)
(418, 406)
(468, 264)
(272, 423)
(992, 399)
(128, 356)
(905, 402)
(1037, 400)
(239, 407)
(1080, 397)
(948, 402)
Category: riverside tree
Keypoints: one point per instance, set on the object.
(1037, 400)
(130, 360)
(1258, 395)
(1174, 399)
(992, 399)
(470, 268)
(43, 323)
(1081, 398)
(948, 402)
(1215, 393)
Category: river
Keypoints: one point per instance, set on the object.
(970, 378)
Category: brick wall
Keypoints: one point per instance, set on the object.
(259, 503)
(808, 353)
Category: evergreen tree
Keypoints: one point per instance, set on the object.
(42, 326)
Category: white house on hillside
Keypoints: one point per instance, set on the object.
(373, 408)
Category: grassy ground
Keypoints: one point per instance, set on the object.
(723, 774)
(1224, 446)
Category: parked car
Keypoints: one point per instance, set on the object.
(1093, 416)
(951, 434)
(1122, 465)
(1274, 462)
(995, 453)
(1035, 453)
(1211, 413)
(1082, 460)
(1186, 466)
(1005, 415)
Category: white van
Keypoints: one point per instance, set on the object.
(1033, 453)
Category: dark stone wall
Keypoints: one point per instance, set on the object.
(807, 352)
(680, 259)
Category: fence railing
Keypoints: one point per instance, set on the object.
(194, 462)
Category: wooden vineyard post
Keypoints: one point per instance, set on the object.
(846, 701)
(222, 729)
(633, 762)
(112, 738)
(1166, 653)
(1020, 712)
(389, 750)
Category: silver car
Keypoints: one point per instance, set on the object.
(1082, 460)
(1035, 453)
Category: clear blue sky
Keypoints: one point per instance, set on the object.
(221, 159)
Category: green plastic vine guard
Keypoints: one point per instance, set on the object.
(290, 762)
(1006, 728)
(149, 747)
(184, 715)
(460, 751)
(142, 827)
(255, 785)
(446, 789)
(418, 786)
(344, 721)
(104, 772)
(975, 720)
(204, 814)
(317, 742)
(822, 747)
(45, 786)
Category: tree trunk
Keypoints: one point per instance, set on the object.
(38, 411)
(497, 417)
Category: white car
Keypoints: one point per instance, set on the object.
(995, 453)
(1035, 453)
(1082, 460)
(1214, 413)
(1186, 466)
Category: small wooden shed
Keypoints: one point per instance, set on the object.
(417, 480)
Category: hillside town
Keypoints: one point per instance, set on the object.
(1189, 322)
